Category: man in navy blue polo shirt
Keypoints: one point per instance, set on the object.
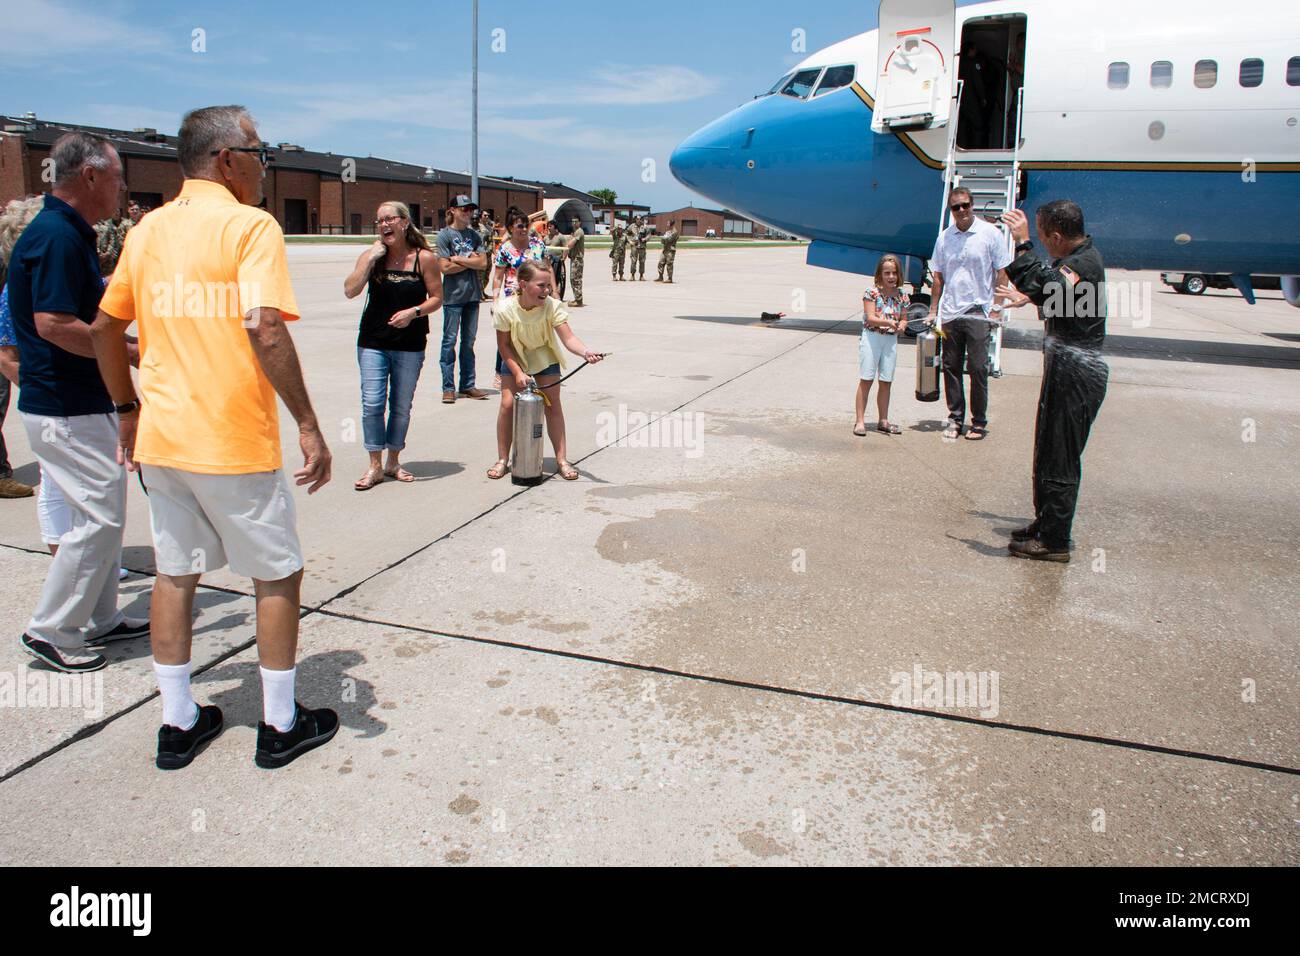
(54, 291)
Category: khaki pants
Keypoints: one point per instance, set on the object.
(79, 455)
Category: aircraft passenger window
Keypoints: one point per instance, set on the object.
(1162, 75)
(801, 84)
(1206, 74)
(1118, 77)
(836, 77)
(1293, 71)
(1252, 72)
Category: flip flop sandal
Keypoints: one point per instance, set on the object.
(952, 432)
(890, 429)
(499, 469)
(367, 481)
(400, 474)
(860, 431)
(976, 433)
(566, 471)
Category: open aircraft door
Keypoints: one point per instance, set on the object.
(914, 84)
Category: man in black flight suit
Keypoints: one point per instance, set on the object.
(1070, 293)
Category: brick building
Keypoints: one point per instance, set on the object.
(697, 221)
(308, 192)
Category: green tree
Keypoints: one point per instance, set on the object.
(607, 196)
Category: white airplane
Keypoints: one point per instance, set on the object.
(1172, 124)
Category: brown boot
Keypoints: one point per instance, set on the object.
(474, 393)
(13, 488)
(448, 398)
(1035, 550)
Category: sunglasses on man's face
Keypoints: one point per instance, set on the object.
(959, 206)
(263, 152)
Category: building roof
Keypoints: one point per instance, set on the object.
(725, 213)
(152, 144)
(554, 190)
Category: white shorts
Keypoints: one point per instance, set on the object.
(877, 356)
(204, 522)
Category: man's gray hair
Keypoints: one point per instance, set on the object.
(203, 130)
(73, 152)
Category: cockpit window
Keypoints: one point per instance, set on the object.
(776, 87)
(802, 83)
(834, 78)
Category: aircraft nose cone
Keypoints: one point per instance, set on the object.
(703, 161)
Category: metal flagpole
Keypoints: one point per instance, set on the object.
(473, 188)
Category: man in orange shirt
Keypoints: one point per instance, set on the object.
(207, 281)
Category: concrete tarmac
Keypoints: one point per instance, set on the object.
(744, 635)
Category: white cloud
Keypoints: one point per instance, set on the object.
(622, 85)
(48, 30)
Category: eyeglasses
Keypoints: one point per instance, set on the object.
(959, 206)
(263, 152)
(389, 220)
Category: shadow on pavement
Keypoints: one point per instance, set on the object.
(322, 681)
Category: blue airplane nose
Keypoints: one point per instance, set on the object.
(705, 160)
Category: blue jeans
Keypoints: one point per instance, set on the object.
(462, 319)
(388, 381)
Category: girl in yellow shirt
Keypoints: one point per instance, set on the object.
(530, 327)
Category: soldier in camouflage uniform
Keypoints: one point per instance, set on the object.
(557, 251)
(617, 252)
(577, 251)
(109, 236)
(483, 226)
(638, 250)
(668, 251)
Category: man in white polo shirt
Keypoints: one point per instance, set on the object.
(970, 260)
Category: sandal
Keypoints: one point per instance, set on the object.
(860, 431)
(976, 433)
(888, 428)
(566, 471)
(400, 473)
(952, 432)
(368, 480)
(499, 469)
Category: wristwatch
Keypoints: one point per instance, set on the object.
(128, 407)
(417, 311)
(1024, 246)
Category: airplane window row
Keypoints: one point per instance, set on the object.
(801, 83)
(1205, 75)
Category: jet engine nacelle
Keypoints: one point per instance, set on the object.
(1291, 289)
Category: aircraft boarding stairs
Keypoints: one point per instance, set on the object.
(993, 181)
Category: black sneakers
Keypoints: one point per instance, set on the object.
(1035, 550)
(176, 747)
(310, 729)
(80, 661)
(130, 628)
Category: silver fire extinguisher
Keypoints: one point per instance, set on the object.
(927, 366)
(530, 418)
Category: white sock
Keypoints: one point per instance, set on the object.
(179, 709)
(277, 698)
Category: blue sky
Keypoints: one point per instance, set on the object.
(583, 91)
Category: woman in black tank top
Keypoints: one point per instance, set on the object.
(403, 285)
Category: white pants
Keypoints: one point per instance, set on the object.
(78, 456)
